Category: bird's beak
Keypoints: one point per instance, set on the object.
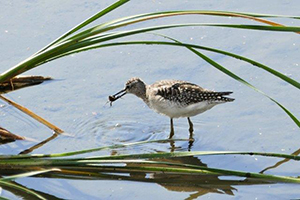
(120, 94)
(117, 96)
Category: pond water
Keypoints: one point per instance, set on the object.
(76, 100)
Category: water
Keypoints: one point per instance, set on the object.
(76, 100)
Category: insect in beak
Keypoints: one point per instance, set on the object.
(116, 96)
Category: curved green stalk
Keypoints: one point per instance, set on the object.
(18, 187)
(115, 146)
(72, 46)
(188, 168)
(149, 16)
(267, 15)
(64, 42)
(27, 174)
(219, 67)
(5, 158)
(194, 153)
(253, 62)
(85, 23)
(232, 75)
(139, 166)
(71, 42)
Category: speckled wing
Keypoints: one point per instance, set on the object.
(186, 93)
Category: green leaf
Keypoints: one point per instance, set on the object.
(145, 166)
(255, 63)
(58, 47)
(188, 168)
(86, 22)
(72, 153)
(3, 198)
(193, 153)
(219, 67)
(27, 174)
(20, 188)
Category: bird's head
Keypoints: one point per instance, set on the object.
(133, 86)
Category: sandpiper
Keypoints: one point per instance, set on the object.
(174, 98)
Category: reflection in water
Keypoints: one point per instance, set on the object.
(195, 185)
(97, 130)
(280, 162)
(173, 147)
(6, 136)
(191, 138)
(40, 144)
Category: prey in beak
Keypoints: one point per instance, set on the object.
(116, 96)
(133, 86)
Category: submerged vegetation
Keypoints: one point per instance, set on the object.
(175, 163)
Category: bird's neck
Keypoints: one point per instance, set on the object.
(143, 95)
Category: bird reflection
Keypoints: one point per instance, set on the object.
(199, 184)
(191, 141)
(196, 185)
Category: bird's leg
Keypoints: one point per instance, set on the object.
(191, 130)
(172, 146)
(172, 129)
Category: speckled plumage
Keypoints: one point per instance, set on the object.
(186, 93)
(175, 98)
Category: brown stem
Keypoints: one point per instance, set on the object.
(33, 115)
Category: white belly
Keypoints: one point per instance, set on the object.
(175, 110)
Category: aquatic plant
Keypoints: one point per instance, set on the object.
(105, 35)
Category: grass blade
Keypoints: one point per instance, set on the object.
(5, 158)
(194, 153)
(188, 168)
(255, 63)
(33, 115)
(258, 27)
(23, 189)
(87, 44)
(86, 22)
(149, 16)
(27, 174)
(145, 166)
(38, 59)
(232, 75)
(3, 198)
(73, 153)
(221, 68)
(267, 15)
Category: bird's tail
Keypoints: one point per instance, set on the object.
(219, 97)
